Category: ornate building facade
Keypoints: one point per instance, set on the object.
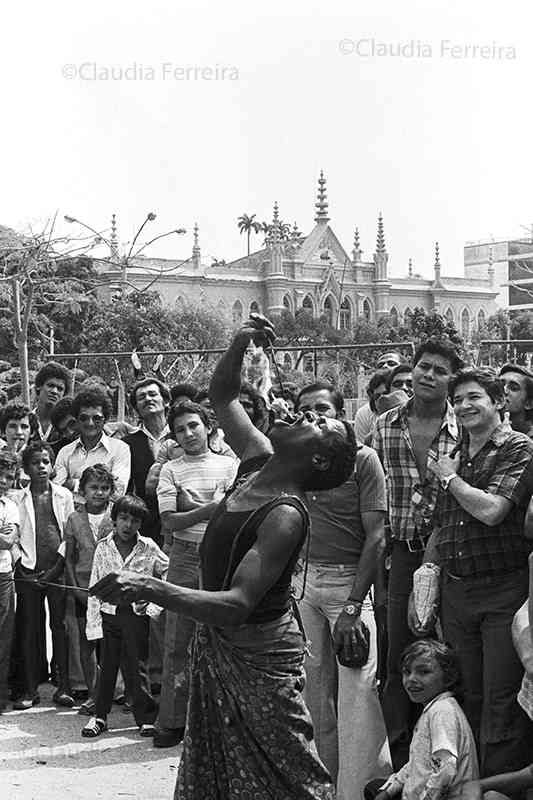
(314, 272)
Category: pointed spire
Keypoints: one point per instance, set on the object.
(321, 204)
(356, 252)
(437, 262)
(196, 246)
(410, 268)
(113, 240)
(273, 234)
(380, 242)
(491, 268)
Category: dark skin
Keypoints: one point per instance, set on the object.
(294, 456)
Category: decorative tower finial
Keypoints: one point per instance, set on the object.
(491, 268)
(380, 242)
(410, 268)
(437, 262)
(356, 252)
(321, 204)
(196, 247)
(295, 232)
(113, 240)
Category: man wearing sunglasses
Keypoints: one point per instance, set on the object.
(91, 408)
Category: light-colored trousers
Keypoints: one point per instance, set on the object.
(348, 722)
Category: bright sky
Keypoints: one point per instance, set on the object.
(441, 144)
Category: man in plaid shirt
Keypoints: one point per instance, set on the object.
(408, 440)
(486, 486)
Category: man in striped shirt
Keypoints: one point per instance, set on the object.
(407, 440)
(190, 488)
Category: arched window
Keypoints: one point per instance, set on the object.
(254, 308)
(449, 315)
(180, 303)
(393, 313)
(345, 315)
(287, 361)
(481, 320)
(329, 310)
(465, 324)
(307, 304)
(287, 302)
(367, 309)
(236, 313)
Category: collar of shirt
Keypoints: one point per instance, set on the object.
(43, 434)
(104, 441)
(441, 696)
(449, 419)
(163, 435)
(498, 437)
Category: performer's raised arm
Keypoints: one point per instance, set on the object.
(239, 431)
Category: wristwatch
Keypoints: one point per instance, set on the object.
(352, 608)
(445, 482)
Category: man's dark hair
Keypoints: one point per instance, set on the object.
(164, 390)
(183, 390)
(336, 395)
(98, 472)
(61, 410)
(130, 504)
(14, 411)
(486, 377)
(399, 370)
(91, 398)
(377, 379)
(8, 460)
(444, 655)
(528, 382)
(187, 407)
(342, 452)
(52, 369)
(439, 347)
(201, 394)
(32, 449)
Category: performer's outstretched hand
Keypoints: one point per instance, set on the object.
(120, 587)
(259, 329)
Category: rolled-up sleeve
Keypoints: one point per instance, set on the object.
(167, 490)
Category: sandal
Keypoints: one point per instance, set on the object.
(94, 728)
(87, 708)
(146, 730)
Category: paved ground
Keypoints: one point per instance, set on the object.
(43, 757)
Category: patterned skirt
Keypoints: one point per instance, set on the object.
(249, 735)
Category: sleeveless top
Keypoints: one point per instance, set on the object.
(231, 534)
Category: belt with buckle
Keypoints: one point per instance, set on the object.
(415, 545)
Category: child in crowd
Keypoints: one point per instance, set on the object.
(44, 508)
(124, 626)
(442, 755)
(16, 428)
(84, 528)
(9, 532)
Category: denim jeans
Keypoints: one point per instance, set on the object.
(400, 714)
(182, 571)
(7, 621)
(476, 617)
(348, 722)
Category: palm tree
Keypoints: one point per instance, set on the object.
(246, 225)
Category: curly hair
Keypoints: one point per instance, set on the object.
(97, 472)
(32, 449)
(52, 369)
(166, 394)
(15, 411)
(92, 398)
(485, 377)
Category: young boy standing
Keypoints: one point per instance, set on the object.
(44, 509)
(190, 488)
(83, 530)
(124, 626)
(9, 532)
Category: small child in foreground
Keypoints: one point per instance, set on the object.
(124, 626)
(84, 529)
(442, 755)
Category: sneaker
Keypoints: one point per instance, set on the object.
(63, 699)
(94, 728)
(23, 704)
(146, 730)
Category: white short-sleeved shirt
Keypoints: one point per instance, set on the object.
(9, 515)
(441, 726)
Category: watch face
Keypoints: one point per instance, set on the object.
(350, 609)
